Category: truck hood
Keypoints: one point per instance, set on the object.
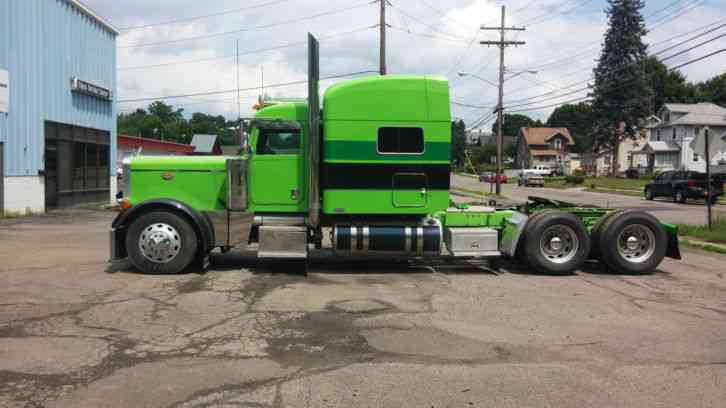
(179, 163)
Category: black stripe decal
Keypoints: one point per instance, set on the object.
(351, 176)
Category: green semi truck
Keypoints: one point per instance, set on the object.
(367, 175)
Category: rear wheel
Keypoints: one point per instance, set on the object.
(632, 242)
(161, 242)
(679, 197)
(556, 243)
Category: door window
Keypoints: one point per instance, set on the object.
(278, 142)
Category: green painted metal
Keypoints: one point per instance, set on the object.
(467, 218)
(378, 202)
(273, 178)
(199, 182)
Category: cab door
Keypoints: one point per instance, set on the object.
(276, 171)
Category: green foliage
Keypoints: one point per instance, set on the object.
(668, 86)
(716, 234)
(579, 120)
(574, 180)
(621, 93)
(713, 90)
(162, 121)
(458, 143)
(512, 123)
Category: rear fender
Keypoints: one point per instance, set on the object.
(673, 250)
(200, 222)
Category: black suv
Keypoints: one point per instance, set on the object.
(682, 185)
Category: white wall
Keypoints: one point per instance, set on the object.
(23, 193)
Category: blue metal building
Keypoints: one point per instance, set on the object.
(57, 115)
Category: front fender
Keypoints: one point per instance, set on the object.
(201, 224)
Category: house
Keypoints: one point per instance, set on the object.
(669, 146)
(541, 146)
(572, 163)
(131, 146)
(206, 145)
(476, 137)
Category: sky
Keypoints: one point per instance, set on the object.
(182, 47)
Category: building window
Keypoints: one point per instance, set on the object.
(695, 156)
(400, 140)
(674, 133)
(657, 135)
(558, 144)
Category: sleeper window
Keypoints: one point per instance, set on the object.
(400, 140)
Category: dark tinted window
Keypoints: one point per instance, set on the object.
(278, 142)
(400, 140)
(692, 175)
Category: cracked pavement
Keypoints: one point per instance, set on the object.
(76, 332)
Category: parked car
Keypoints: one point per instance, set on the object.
(531, 180)
(682, 185)
(632, 174)
(540, 170)
(490, 177)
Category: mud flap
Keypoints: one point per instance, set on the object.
(673, 250)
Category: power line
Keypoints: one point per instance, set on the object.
(259, 27)
(693, 47)
(220, 13)
(698, 59)
(278, 85)
(249, 52)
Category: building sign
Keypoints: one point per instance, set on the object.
(87, 88)
(4, 91)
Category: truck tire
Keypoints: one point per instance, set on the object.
(679, 197)
(632, 242)
(649, 194)
(161, 242)
(556, 243)
(596, 232)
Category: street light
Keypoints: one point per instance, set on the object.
(526, 71)
(464, 74)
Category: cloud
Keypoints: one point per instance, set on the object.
(426, 37)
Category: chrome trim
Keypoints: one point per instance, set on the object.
(420, 241)
(230, 228)
(353, 240)
(279, 220)
(126, 172)
(407, 248)
(237, 199)
(509, 243)
(366, 239)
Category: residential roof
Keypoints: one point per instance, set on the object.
(154, 145)
(701, 114)
(542, 135)
(660, 146)
(544, 152)
(204, 143)
(94, 16)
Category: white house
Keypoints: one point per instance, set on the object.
(670, 144)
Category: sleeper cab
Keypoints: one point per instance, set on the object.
(386, 147)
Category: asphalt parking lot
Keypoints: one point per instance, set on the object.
(75, 332)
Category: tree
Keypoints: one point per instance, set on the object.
(578, 119)
(621, 94)
(512, 124)
(668, 86)
(458, 143)
(713, 90)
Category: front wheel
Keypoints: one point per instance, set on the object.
(632, 242)
(556, 243)
(649, 194)
(161, 242)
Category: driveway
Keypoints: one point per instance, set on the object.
(75, 332)
(693, 212)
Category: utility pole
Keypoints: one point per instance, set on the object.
(239, 102)
(502, 44)
(382, 26)
(708, 180)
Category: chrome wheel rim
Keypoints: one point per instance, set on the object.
(636, 243)
(559, 244)
(160, 243)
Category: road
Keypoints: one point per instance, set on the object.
(693, 212)
(76, 332)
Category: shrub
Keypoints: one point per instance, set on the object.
(579, 172)
(574, 179)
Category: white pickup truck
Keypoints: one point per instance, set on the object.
(539, 170)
